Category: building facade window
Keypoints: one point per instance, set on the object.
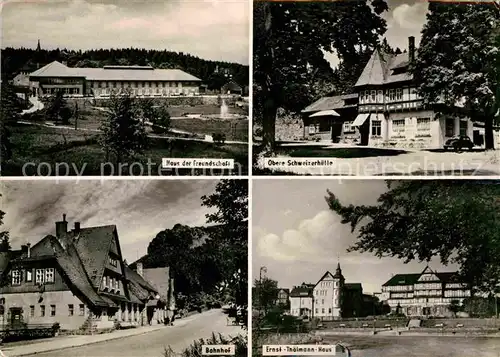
(376, 128)
(16, 277)
(32, 311)
(399, 94)
(348, 128)
(81, 310)
(463, 127)
(49, 275)
(52, 310)
(29, 275)
(398, 126)
(71, 310)
(39, 275)
(423, 126)
(42, 310)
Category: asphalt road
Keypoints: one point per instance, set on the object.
(421, 346)
(153, 344)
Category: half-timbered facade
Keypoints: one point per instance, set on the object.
(428, 293)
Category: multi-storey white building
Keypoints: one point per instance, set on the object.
(301, 300)
(330, 298)
(143, 81)
(425, 294)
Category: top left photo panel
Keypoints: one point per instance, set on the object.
(125, 88)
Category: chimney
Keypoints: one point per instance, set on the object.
(61, 228)
(139, 268)
(411, 49)
(28, 248)
(77, 228)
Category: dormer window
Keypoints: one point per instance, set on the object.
(16, 277)
(49, 275)
(113, 262)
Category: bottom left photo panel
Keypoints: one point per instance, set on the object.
(153, 268)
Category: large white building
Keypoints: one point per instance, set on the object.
(143, 81)
(428, 293)
(329, 299)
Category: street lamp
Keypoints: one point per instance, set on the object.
(262, 270)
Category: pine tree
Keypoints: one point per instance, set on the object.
(124, 133)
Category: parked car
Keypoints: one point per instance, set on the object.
(458, 143)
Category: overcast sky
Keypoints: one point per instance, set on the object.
(140, 209)
(298, 238)
(405, 18)
(210, 29)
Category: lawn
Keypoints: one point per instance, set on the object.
(80, 150)
(181, 110)
(235, 129)
(344, 153)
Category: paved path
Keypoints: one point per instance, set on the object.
(145, 342)
(423, 163)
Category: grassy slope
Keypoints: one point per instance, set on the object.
(48, 145)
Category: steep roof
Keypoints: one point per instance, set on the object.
(114, 73)
(160, 279)
(136, 278)
(302, 291)
(384, 68)
(411, 279)
(71, 266)
(92, 245)
(332, 102)
(353, 286)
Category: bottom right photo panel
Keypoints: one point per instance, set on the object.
(369, 267)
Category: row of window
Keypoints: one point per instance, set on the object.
(136, 84)
(336, 302)
(111, 284)
(146, 91)
(436, 300)
(389, 95)
(42, 276)
(52, 310)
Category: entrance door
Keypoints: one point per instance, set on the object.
(336, 131)
(16, 316)
(364, 131)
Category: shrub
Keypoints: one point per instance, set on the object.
(194, 350)
(219, 138)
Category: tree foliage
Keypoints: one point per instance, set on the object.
(266, 293)
(13, 59)
(4, 235)
(289, 38)
(10, 110)
(124, 133)
(454, 221)
(458, 59)
(57, 109)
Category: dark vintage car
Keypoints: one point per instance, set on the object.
(459, 143)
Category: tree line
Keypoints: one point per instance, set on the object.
(212, 73)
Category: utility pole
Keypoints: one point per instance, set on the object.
(262, 270)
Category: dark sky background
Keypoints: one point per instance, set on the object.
(210, 29)
(298, 238)
(140, 208)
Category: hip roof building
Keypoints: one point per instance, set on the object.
(102, 82)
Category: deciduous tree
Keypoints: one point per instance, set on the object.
(454, 221)
(458, 61)
(288, 41)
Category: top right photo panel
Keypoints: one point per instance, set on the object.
(376, 87)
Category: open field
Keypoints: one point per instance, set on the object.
(82, 152)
